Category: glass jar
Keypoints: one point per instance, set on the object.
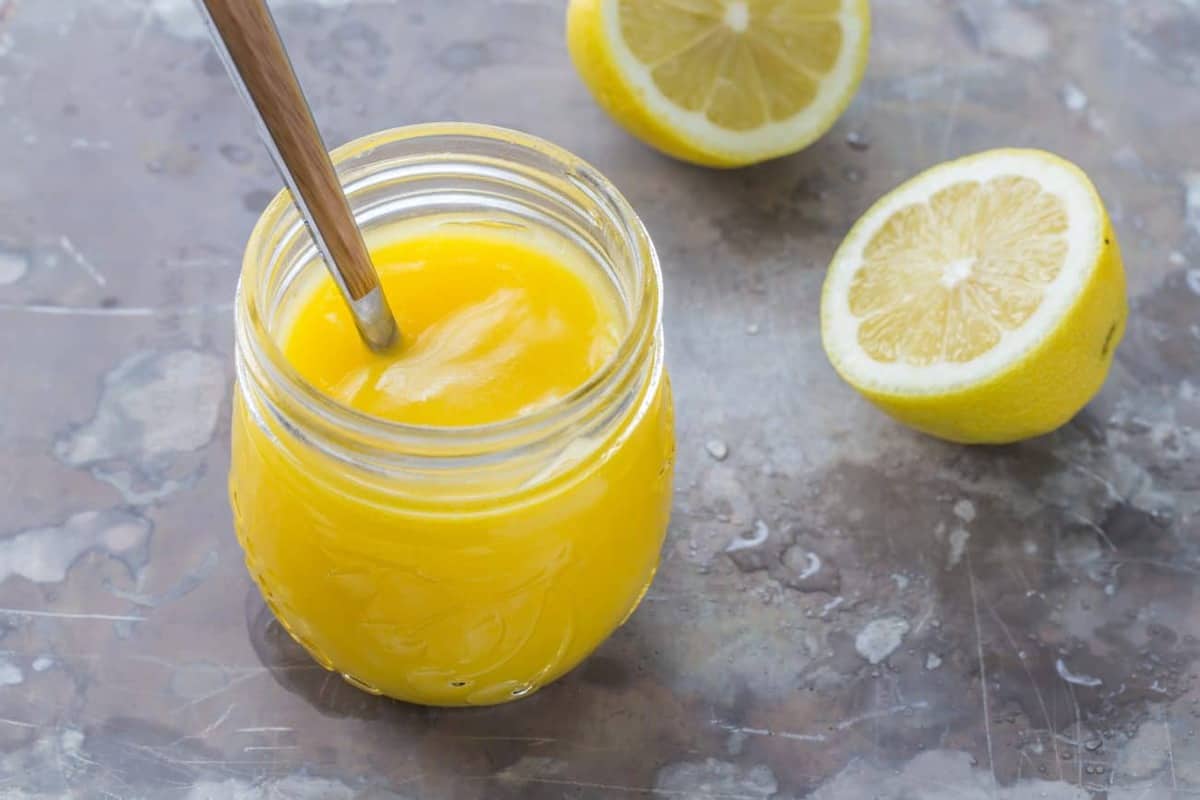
(467, 565)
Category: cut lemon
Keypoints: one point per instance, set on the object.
(721, 82)
(982, 300)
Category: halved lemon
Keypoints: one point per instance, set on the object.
(721, 82)
(982, 300)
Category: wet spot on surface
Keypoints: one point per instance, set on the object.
(880, 638)
(236, 154)
(153, 407)
(715, 778)
(604, 671)
(765, 207)
(46, 554)
(292, 787)
(1170, 42)
(191, 580)
(937, 774)
(1004, 29)
(50, 759)
(464, 56)
(1162, 343)
(351, 48)
(10, 673)
(256, 200)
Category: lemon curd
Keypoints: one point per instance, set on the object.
(493, 329)
(463, 519)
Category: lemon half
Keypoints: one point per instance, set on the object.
(981, 301)
(721, 82)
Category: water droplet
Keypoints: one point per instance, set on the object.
(856, 140)
(1073, 97)
(717, 449)
(236, 154)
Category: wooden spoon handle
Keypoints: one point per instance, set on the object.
(248, 41)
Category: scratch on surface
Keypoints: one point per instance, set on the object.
(87, 266)
(1170, 756)
(1032, 683)
(882, 712)
(987, 714)
(1167, 565)
(129, 311)
(832, 604)
(216, 723)
(690, 794)
(1013, 567)
(227, 687)
(24, 612)
(17, 723)
(1091, 524)
(1097, 477)
(525, 739)
(875, 722)
(952, 119)
(143, 25)
(1078, 731)
(1024, 759)
(924, 618)
(254, 748)
(1070, 677)
(267, 729)
(799, 737)
(80, 143)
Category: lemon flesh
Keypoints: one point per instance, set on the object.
(982, 301)
(721, 82)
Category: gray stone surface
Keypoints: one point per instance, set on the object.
(1034, 610)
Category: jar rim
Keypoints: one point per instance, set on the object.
(644, 319)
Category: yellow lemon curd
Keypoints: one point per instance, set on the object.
(472, 602)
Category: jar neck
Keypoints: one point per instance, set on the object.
(462, 172)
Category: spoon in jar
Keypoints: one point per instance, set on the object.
(248, 42)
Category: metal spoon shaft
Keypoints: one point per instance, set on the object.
(248, 42)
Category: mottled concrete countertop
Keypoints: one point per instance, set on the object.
(1016, 622)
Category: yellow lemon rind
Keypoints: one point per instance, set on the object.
(1033, 390)
(624, 89)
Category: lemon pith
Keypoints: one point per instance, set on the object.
(721, 82)
(981, 301)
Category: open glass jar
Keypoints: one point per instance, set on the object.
(454, 565)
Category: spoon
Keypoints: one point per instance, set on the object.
(248, 42)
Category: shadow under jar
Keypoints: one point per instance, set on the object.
(454, 565)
